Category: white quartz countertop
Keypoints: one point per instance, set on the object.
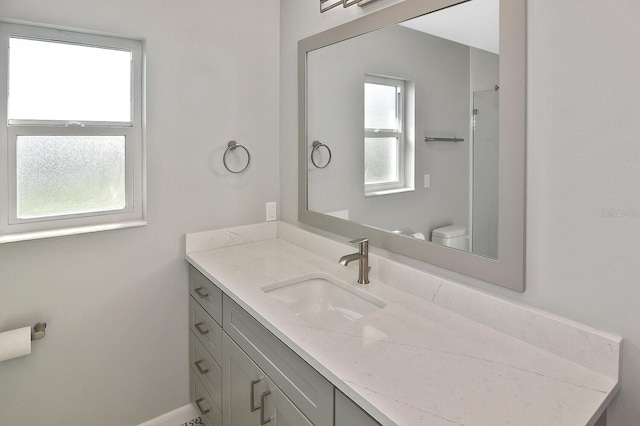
(413, 362)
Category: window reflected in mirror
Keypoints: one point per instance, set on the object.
(385, 146)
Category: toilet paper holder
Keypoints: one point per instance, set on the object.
(38, 331)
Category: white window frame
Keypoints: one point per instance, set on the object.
(13, 228)
(404, 182)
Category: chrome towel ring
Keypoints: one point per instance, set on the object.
(317, 145)
(232, 145)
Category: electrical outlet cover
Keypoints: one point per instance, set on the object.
(271, 211)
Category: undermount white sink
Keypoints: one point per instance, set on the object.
(323, 300)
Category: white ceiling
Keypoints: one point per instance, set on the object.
(474, 23)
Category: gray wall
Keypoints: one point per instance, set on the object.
(438, 70)
(485, 69)
(116, 302)
(583, 174)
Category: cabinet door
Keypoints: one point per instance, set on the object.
(242, 384)
(349, 414)
(304, 386)
(282, 411)
(251, 398)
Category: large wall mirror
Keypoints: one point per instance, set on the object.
(412, 133)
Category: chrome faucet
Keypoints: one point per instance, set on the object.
(362, 256)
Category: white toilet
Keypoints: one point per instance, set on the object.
(451, 236)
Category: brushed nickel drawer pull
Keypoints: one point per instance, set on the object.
(197, 364)
(262, 397)
(198, 327)
(203, 412)
(201, 293)
(253, 392)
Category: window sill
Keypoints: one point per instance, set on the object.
(36, 235)
(387, 192)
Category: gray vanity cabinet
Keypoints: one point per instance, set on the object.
(241, 374)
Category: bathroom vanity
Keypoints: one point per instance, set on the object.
(249, 374)
(429, 351)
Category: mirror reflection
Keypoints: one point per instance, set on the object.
(408, 116)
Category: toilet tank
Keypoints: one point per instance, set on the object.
(451, 236)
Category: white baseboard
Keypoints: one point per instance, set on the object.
(175, 417)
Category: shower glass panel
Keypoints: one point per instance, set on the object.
(485, 173)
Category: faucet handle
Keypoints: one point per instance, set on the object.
(359, 241)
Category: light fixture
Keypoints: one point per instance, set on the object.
(330, 4)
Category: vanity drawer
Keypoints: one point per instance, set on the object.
(206, 330)
(302, 384)
(208, 370)
(208, 410)
(206, 293)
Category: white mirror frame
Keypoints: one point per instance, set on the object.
(508, 270)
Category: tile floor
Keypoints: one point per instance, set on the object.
(194, 422)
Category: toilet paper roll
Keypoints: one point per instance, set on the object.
(418, 235)
(15, 343)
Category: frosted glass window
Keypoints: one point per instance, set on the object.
(74, 148)
(385, 153)
(380, 106)
(51, 80)
(381, 160)
(61, 175)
